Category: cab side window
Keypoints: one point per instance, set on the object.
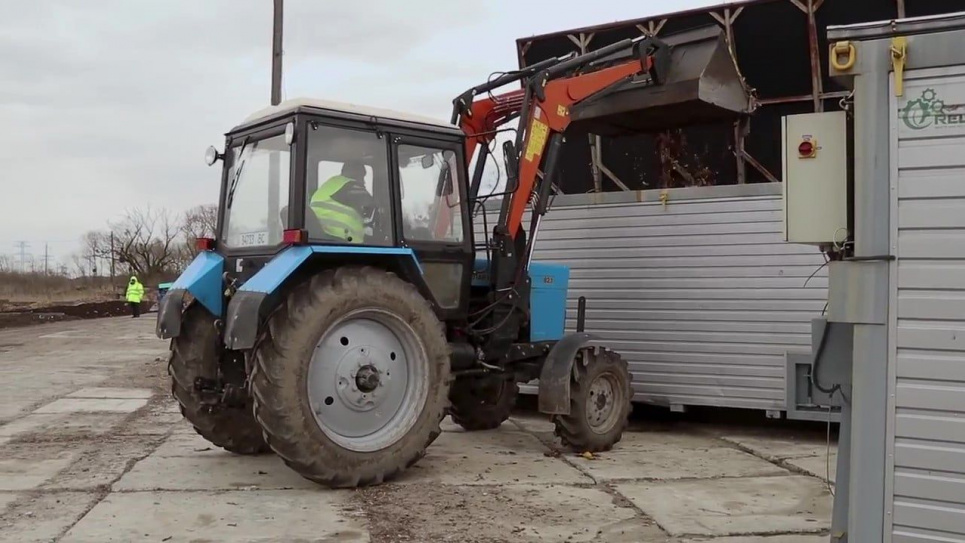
(431, 194)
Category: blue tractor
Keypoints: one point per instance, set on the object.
(341, 346)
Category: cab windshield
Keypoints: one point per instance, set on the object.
(258, 180)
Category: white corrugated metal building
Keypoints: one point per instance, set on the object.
(927, 443)
(698, 291)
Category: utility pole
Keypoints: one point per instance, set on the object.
(276, 47)
(46, 257)
(274, 161)
(23, 255)
(112, 259)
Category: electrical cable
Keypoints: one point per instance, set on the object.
(497, 326)
(816, 362)
(815, 272)
(827, 456)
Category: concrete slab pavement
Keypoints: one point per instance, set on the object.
(502, 456)
(93, 405)
(222, 472)
(734, 506)
(94, 449)
(264, 515)
(112, 392)
(779, 448)
(517, 512)
(671, 462)
(43, 517)
(763, 539)
(823, 467)
(28, 466)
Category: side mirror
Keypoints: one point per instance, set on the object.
(428, 160)
(211, 155)
(446, 174)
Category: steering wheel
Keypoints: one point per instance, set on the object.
(380, 228)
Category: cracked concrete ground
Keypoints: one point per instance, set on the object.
(92, 449)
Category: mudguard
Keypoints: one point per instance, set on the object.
(202, 279)
(245, 308)
(554, 378)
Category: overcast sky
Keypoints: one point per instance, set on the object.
(109, 104)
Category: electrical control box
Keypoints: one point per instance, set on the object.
(815, 156)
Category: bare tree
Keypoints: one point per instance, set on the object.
(80, 264)
(146, 240)
(199, 222)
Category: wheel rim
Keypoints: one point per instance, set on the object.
(367, 380)
(603, 403)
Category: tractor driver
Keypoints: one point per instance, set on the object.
(343, 206)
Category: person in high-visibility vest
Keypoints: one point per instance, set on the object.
(342, 204)
(135, 293)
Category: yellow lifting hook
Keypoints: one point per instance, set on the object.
(899, 53)
(840, 49)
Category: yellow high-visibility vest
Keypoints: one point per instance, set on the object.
(338, 220)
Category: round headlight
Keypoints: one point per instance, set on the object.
(210, 156)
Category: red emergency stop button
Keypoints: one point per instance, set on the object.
(806, 149)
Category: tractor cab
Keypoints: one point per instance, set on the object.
(399, 181)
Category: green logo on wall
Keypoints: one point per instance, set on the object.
(928, 110)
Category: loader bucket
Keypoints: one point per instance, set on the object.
(702, 85)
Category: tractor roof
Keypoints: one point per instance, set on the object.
(312, 105)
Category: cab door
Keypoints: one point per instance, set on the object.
(432, 215)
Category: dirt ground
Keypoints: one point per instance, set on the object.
(26, 314)
(92, 449)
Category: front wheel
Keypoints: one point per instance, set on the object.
(351, 377)
(484, 403)
(196, 354)
(600, 396)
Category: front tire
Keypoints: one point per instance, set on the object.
(484, 403)
(197, 353)
(600, 402)
(351, 377)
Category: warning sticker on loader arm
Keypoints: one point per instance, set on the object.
(538, 132)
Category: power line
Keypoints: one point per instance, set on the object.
(22, 245)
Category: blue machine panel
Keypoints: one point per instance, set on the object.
(547, 297)
(548, 300)
(279, 268)
(202, 278)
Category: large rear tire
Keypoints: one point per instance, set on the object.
(197, 352)
(600, 402)
(484, 403)
(351, 377)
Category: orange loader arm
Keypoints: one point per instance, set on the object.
(549, 90)
(553, 115)
(549, 114)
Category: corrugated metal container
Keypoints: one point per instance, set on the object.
(927, 442)
(699, 293)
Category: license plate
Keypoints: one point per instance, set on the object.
(254, 238)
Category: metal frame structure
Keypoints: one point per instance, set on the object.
(824, 94)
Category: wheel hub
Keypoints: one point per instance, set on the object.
(602, 405)
(361, 376)
(367, 378)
